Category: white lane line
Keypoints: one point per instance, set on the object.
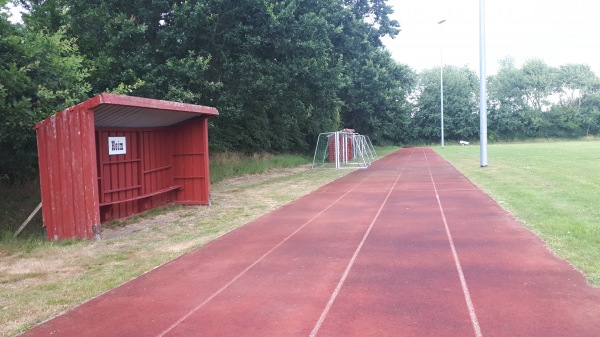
(196, 308)
(461, 275)
(321, 319)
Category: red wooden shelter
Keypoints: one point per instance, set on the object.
(113, 156)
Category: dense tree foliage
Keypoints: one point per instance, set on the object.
(509, 114)
(531, 101)
(40, 73)
(280, 72)
(460, 104)
(375, 102)
(537, 100)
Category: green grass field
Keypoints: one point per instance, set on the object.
(553, 187)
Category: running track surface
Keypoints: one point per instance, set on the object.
(408, 247)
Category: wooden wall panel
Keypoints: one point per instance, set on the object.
(120, 175)
(67, 177)
(191, 162)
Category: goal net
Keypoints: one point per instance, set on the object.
(343, 149)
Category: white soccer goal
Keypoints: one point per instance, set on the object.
(343, 149)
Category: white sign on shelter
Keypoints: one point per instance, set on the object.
(116, 145)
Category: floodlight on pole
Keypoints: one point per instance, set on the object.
(482, 88)
(441, 84)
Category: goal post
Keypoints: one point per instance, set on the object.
(342, 149)
(370, 148)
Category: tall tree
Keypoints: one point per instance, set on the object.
(460, 104)
(375, 101)
(574, 81)
(573, 84)
(39, 75)
(538, 82)
(509, 114)
(590, 107)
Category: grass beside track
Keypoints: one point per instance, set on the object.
(553, 187)
(18, 201)
(41, 279)
(233, 164)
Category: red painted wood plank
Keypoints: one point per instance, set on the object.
(155, 193)
(90, 181)
(43, 162)
(65, 174)
(129, 168)
(80, 227)
(205, 183)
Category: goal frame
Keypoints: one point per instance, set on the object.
(343, 150)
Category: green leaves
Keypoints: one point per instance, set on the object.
(537, 100)
(460, 104)
(280, 72)
(375, 100)
(40, 74)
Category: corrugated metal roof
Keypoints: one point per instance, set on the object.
(119, 116)
(120, 111)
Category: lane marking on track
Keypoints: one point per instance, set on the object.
(335, 293)
(196, 308)
(461, 275)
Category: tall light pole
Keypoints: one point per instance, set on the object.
(482, 89)
(441, 83)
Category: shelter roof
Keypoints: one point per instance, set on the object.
(119, 111)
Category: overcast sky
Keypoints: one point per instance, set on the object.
(556, 31)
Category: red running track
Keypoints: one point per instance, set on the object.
(408, 247)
